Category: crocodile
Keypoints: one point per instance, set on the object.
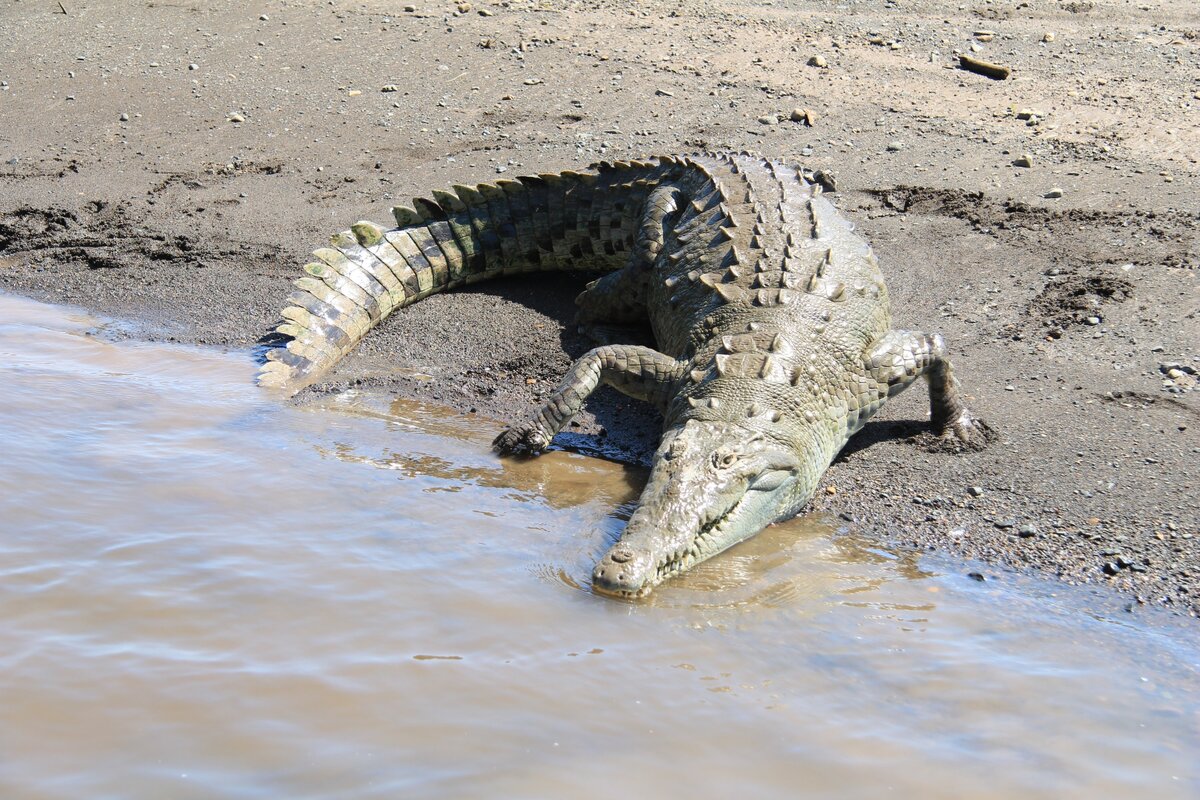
(770, 315)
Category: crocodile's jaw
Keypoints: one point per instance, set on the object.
(712, 485)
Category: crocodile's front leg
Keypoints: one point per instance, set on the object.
(639, 372)
(898, 358)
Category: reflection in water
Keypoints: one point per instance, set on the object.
(558, 478)
(210, 594)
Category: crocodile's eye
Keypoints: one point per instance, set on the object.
(724, 460)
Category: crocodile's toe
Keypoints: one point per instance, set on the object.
(968, 432)
(522, 438)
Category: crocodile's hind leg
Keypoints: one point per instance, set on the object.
(639, 372)
(898, 358)
(619, 299)
(616, 300)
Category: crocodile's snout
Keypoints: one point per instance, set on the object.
(623, 572)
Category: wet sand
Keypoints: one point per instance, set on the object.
(173, 165)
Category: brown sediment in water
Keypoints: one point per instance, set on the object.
(200, 584)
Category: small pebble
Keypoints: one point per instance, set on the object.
(1054, 193)
(1023, 160)
(263, 17)
(1048, 36)
(768, 119)
(1110, 568)
(1005, 523)
(1026, 531)
(193, 67)
(124, 117)
(501, 168)
(976, 576)
(818, 61)
(236, 118)
(805, 115)
(894, 147)
(975, 491)
(1092, 320)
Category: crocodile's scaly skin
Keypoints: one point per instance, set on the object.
(771, 318)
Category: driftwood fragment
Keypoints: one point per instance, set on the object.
(994, 71)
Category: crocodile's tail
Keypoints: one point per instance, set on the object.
(564, 221)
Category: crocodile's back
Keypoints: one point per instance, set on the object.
(759, 241)
(773, 299)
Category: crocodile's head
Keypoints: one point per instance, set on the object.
(712, 485)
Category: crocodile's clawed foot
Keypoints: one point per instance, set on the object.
(967, 432)
(525, 438)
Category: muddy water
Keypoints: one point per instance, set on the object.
(209, 594)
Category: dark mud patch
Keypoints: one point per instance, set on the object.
(28, 224)
(180, 285)
(213, 173)
(99, 235)
(1078, 300)
(1072, 237)
(1141, 401)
